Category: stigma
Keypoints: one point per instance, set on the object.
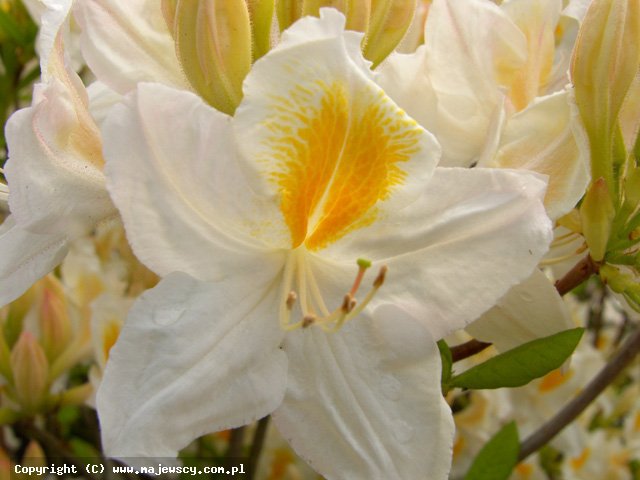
(307, 302)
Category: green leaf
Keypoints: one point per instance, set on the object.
(447, 364)
(519, 366)
(498, 457)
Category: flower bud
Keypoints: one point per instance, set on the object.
(288, 11)
(55, 325)
(632, 187)
(213, 44)
(261, 15)
(606, 59)
(597, 213)
(30, 372)
(617, 281)
(77, 395)
(390, 20)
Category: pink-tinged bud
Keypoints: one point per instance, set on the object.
(213, 43)
(30, 372)
(606, 59)
(55, 324)
(597, 213)
(34, 456)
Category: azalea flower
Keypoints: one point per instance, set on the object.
(491, 83)
(56, 188)
(311, 253)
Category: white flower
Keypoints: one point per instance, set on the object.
(489, 82)
(264, 215)
(56, 185)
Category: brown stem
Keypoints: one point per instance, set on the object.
(580, 272)
(575, 407)
(256, 446)
(235, 443)
(574, 277)
(467, 349)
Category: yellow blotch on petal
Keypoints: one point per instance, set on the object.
(110, 334)
(553, 380)
(337, 154)
(578, 462)
(524, 470)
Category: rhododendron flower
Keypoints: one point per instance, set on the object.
(56, 189)
(311, 253)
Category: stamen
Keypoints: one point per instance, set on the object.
(565, 239)
(287, 305)
(349, 308)
(291, 300)
(560, 259)
(298, 272)
(377, 283)
(308, 320)
(348, 303)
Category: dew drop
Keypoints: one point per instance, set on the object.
(168, 315)
(526, 297)
(391, 387)
(403, 431)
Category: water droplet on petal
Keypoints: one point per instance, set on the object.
(390, 387)
(168, 315)
(526, 297)
(403, 431)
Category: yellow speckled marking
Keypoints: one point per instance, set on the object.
(336, 155)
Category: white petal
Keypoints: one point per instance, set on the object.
(472, 49)
(322, 138)
(55, 161)
(405, 79)
(51, 22)
(192, 358)
(126, 42)
(172, 172)
(541, 138)
(453, 253)
(366, 402)
(25, 258)
(530, 310)
(101, 99)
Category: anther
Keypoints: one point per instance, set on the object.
(377, 283)
(308, 320)
(348, 303)
(291, 300)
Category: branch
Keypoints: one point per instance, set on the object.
(256, 446)
(580, 272)
(236, 441)
(467, 349)
(575, 407)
